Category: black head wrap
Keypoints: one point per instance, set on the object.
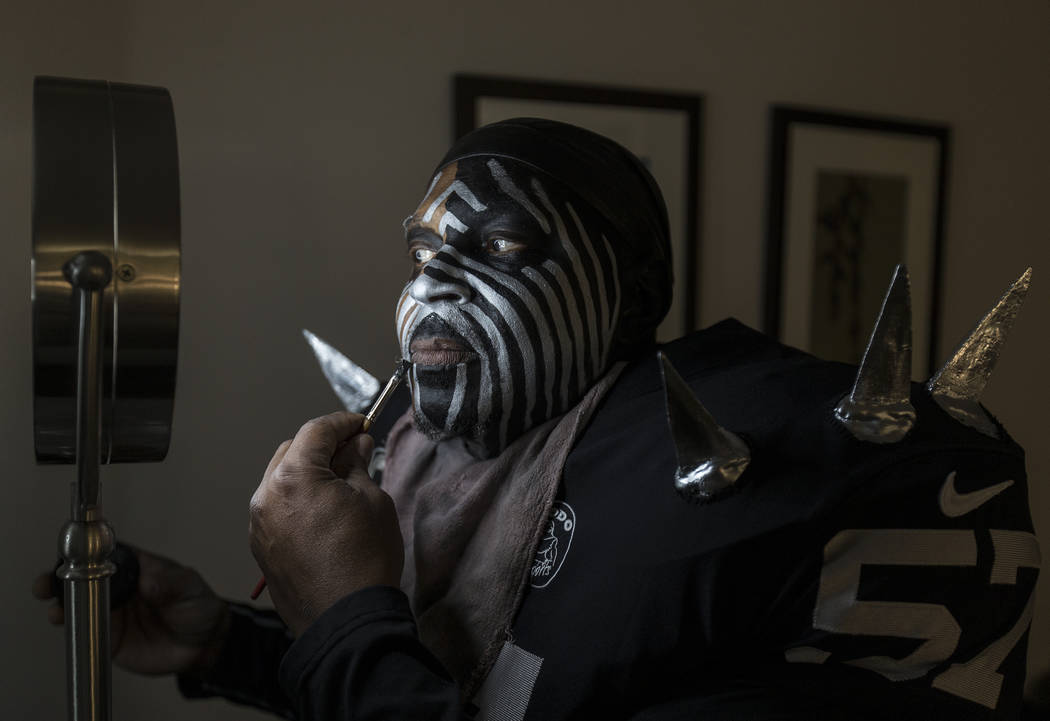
(606, 176)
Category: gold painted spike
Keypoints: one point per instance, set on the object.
(354, 386)
(957, 387)
(879, 409)
(710, 458)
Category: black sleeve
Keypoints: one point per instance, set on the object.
(362, 659)
(246, 671)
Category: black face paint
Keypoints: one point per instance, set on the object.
(510, 313)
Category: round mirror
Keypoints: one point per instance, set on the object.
(105, 178)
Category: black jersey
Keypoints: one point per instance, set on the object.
(842, 579)
(842, 575)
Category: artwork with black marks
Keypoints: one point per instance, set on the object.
(859, 229)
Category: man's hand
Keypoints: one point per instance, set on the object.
(320, 527)
(174, 622)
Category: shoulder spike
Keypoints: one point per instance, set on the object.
(879, 409)
(710, 458)
(354, 386)
(957, 387)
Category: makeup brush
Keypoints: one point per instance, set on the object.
(384, 395)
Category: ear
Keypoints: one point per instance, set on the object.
(645, 303)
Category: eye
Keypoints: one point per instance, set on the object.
(422, 255)
(498, 245)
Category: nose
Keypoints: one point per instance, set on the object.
(428, 289)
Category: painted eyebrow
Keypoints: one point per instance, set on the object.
(459, 188)
(420, 232)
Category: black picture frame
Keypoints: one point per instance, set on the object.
(479, 99)
(900, 166)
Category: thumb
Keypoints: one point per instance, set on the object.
(365, 445)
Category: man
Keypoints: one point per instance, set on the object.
(527, 556)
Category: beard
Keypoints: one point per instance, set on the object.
(436, 386)
(473, 434)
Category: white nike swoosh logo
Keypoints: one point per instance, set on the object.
(955, 504)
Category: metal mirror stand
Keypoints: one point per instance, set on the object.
(103, 271)
(87, 540)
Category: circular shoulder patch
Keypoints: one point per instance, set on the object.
(554, 545)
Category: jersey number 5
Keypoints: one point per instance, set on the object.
(838, 610)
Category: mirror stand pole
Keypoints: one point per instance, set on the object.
(87, 540)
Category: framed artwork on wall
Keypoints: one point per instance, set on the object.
(848, 198)
(662, 129)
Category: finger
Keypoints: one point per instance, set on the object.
(150, 562)
(316, 442)
(277, 457)
(161, 578)
(42, 586)
(55, 615)
(353, 455)
(151, 565)
(168, 580)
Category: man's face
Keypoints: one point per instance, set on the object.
(510, 312)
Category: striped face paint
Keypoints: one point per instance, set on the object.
(510, 312)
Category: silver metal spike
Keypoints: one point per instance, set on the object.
(879, 409)
(957, 387)
(354, 386)
(710, 458)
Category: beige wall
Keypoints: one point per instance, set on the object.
(305, 136)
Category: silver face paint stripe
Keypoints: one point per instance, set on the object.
(574, 317)
(509, 315)
(403, 307)
(449, 218)
(585, 287)
(404, 304)
(406, 317)
(503, 358)
(572, 313)
(410, 323)
(459, 188)
(430, 188)
(401, 299)
(616, 288)
(560, 314)
(457, 394)
(507, 186)
(416, 401)
(602, 298)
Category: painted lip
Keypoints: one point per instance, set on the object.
(438, 351)
(436, 343)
